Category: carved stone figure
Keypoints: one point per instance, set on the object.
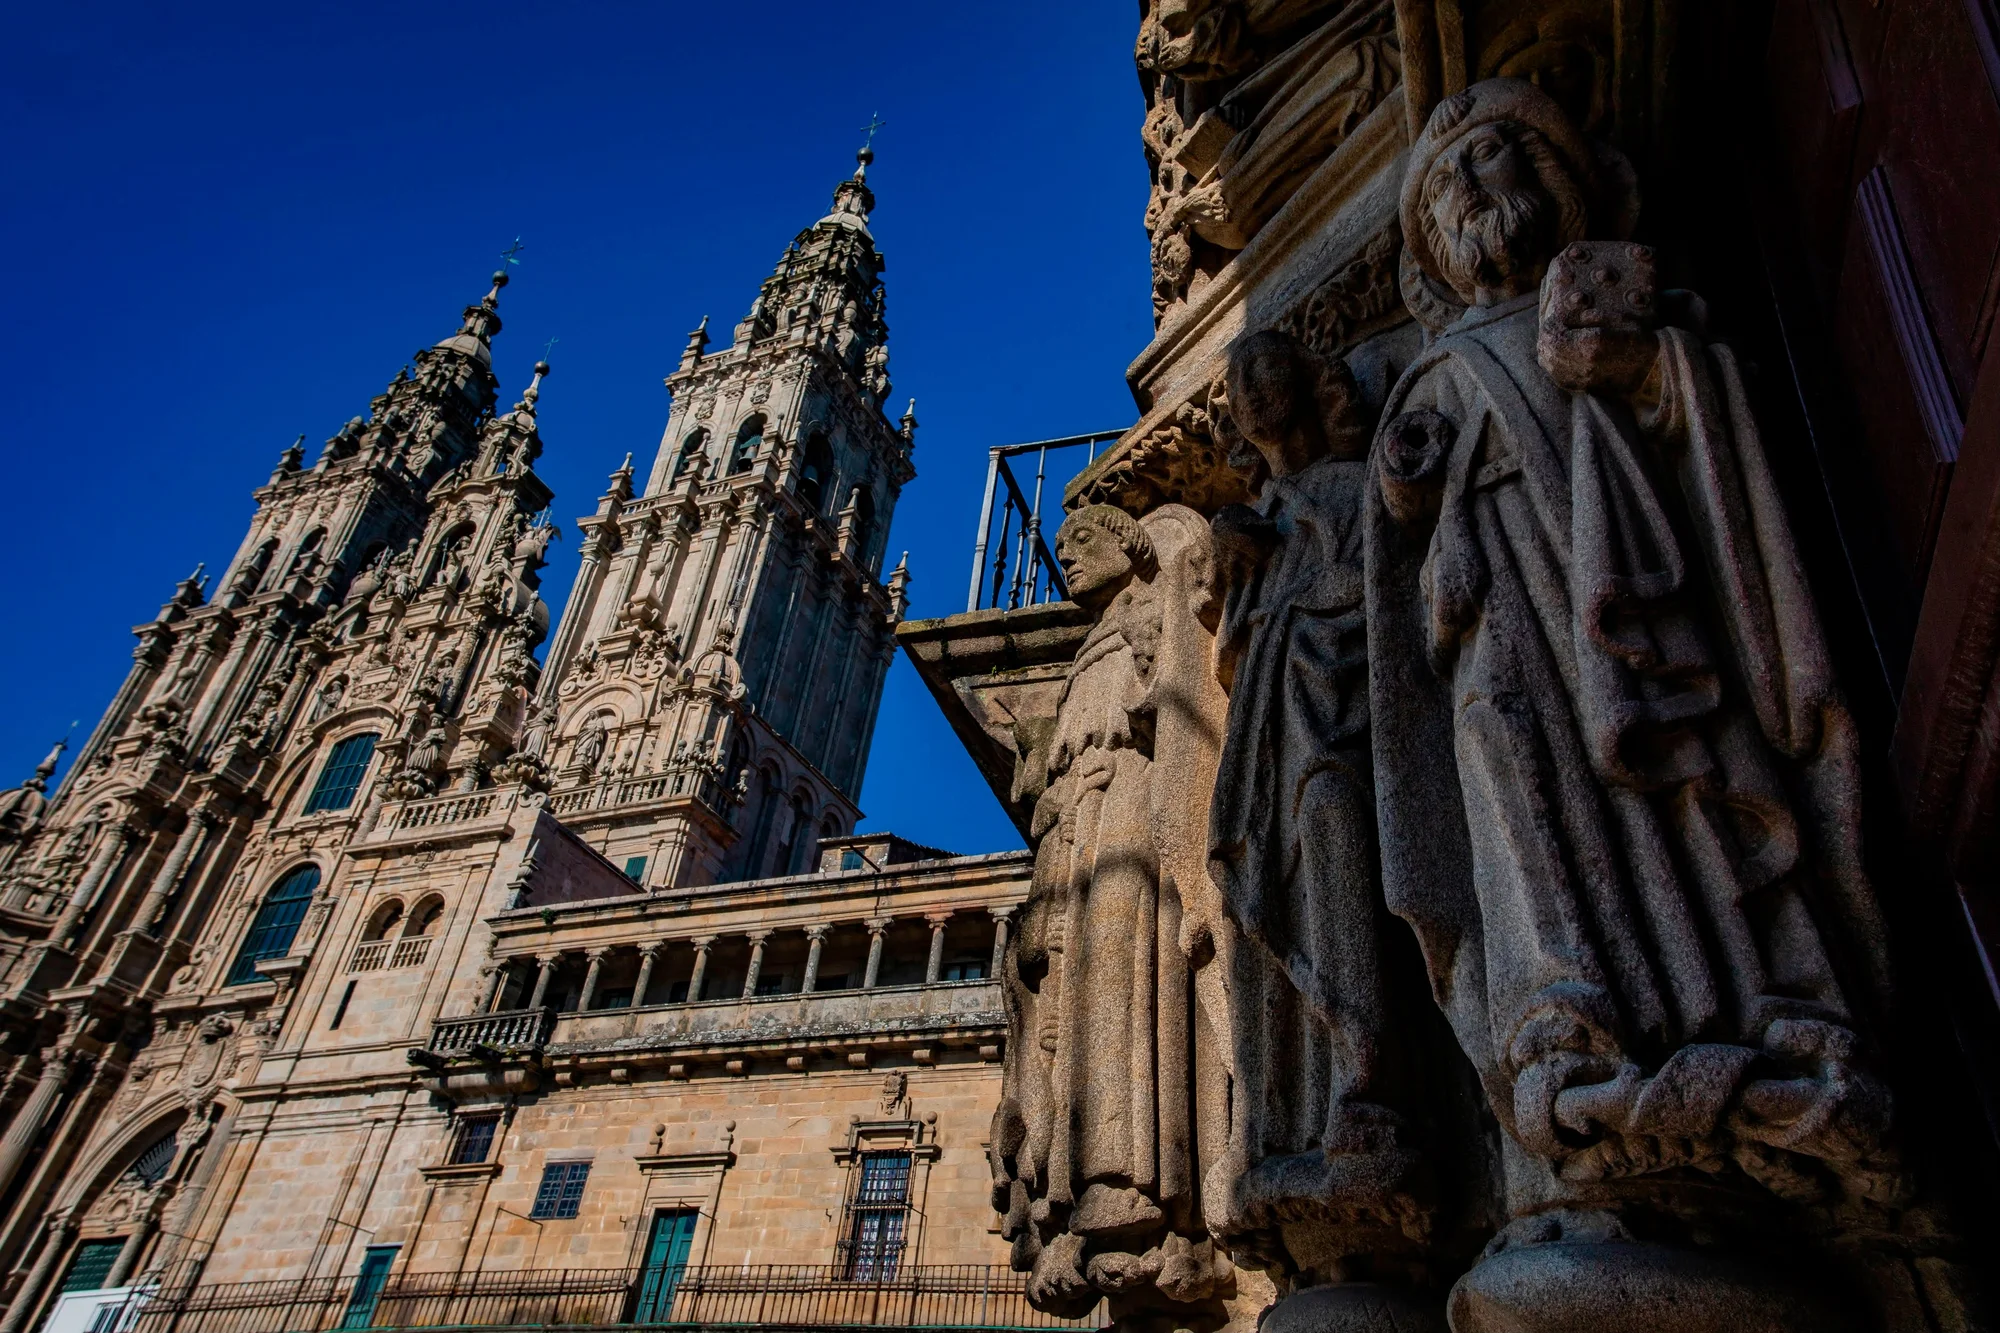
(1093, 1145)
(1325, 1168)
(326, 700)
(1618, 791)
(590, 742)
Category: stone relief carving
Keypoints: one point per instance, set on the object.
(1094, 1151)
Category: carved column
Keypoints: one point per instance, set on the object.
(878, 930)
(109, 852)
(595, 958)
(496, 986)
(545, 964)
(145, 1221)
(165, 884)
(757, 942)
(54, 1245)
(935, 966)
(701, 947)
(34, 1113)
(816, 934)
(1002, 917)
(648, 955)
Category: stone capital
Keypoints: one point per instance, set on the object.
(817, 933)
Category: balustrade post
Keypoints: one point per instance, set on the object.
(935, 966)
(701, 947)
(878, 929)
(817, 936)
(595, 958)
(757, 941)
(648, 955)
(1002, 916)
(546, 963)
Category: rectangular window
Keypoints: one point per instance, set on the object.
(965, 969)
(341, 777)
(474, 1141)
(635, 869)
(877, 1212)
(340, 1010)
(561, 1191)
(850, 860)
(677, 993)
(619, 997)
(771, 985)
(93, 1260)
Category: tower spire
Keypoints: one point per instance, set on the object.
(480, 322)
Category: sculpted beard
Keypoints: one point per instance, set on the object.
(1495, 236)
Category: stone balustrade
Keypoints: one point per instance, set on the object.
(502, 1031)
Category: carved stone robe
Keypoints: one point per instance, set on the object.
(1617, 787)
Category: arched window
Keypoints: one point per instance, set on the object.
(382, 921)
(341, 777)
(276, 922)
(308, 549)
(692, 449)
(423, 917)
(798, 855)
(816, 477)
(748, 441)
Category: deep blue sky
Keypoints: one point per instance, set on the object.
(225, 225)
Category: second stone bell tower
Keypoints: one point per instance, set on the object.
(709, 697)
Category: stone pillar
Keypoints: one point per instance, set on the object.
(701, 947)
(936, 963)
(34, 1113)
(165, 884)
(648, 955)
(878, 929)
(54, 1246)
(757, 940)
(1002, 916)
(116, 839)
(145, 1221)
(816, 934)
(545, 964)
(590, 973)
(496, 987)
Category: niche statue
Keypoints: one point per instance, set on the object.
(1617, 787)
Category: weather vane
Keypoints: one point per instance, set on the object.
(512, 250)
(875, 123)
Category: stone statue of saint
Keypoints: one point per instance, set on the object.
(590, 741)
(1093, 1149)
(1617, 786)
(1324, 1167)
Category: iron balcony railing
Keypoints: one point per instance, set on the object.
(1017, 569)
(767, 1296)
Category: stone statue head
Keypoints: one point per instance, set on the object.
(1498, 183)
(1295, 406)
(1101, 547)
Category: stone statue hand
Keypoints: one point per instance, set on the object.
(1598, 312)
(1244, 540)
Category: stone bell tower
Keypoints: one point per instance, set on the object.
(709, 697)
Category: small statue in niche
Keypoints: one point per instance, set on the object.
(590, 743)
(1617, 784)
(1094, 1145)
(326, 700)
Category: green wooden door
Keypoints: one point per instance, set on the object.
(666, 1260)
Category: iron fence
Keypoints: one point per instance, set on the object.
(1017, 569)
(750, 1296)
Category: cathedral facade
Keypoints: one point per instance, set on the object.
(361, 953)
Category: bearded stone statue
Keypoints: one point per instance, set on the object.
(1617, 787)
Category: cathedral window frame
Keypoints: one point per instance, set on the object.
(749, 444)
(274, 915)
(332, 783)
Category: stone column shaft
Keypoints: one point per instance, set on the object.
(756, 965)
(28, 1121)
(935, 967)
(143, 1226)
(116, 838)
(165, 884)
(1001, 919)
(701, 948)
(546, 968)
(25, 1299)
(648, 955)
(877, 931)
(590, 974)
(817, 934)
(495, 988)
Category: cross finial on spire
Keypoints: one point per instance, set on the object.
(508, 255)
(549, 347)
(875, 123)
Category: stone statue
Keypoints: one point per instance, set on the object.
(1093, 1149)
(590, 742)
(1617, 787)
(1324, 1172)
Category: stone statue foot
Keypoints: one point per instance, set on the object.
(1106, 1211)
(1617, 1286)
(1357, 1307)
